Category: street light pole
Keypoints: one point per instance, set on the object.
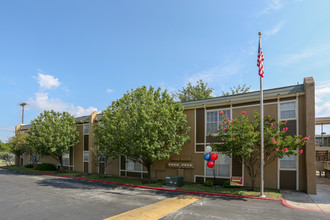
(23, 104)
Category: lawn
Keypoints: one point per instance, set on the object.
(273, 194)
(2, 163)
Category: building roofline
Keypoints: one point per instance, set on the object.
(246, 97)
(322, 120)
(237, 98)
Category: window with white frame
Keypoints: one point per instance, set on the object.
(287, 110)
(288, 162)
(213, 119)
(86, 129)
(66, 159)
(86, 156)
(133, 166)
(221, 168)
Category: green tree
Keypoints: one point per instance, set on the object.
(144, 125)
(237, 90)
(241, 139)
(18, 144)
(4, 147)
(52, 134)
(191, 92)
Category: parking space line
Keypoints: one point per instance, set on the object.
(157, 210)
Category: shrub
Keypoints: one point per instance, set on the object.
(28, 166)
(227, 184)
(46, 166)
(208, 183)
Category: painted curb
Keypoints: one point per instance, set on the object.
(310, 210)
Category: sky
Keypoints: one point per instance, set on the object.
(79, 56)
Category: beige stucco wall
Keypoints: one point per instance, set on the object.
(160, 169)
(93, 161)
(310, 131)
(113, 167)
(78, 151)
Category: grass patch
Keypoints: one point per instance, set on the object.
(274, 194)
(243, 191)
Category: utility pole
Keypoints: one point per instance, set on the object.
(23, 104)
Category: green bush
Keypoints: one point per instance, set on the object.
(28, 166)
(227, 184)
(46, 166)
(208, 183)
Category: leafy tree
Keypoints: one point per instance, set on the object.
(52, 134)
(241, 138)
(144, 125)
(237, 90)
(102, 156)
(190, 92)
(3, 147)
(18, 144)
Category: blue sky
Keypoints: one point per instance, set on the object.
(79, 56)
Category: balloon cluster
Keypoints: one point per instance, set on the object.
(210, 157)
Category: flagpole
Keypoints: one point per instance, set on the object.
(262, 132)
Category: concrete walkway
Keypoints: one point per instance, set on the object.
(319, 202)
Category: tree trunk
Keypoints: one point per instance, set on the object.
(253, 180)
(149, 173)
(61, 164)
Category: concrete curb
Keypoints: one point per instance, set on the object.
(310, 210)
(174, 190)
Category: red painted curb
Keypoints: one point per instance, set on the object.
(310, 210)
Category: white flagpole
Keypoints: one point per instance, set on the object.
(262, 133)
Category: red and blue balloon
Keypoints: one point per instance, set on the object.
(210, 157)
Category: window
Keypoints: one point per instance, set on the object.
(133, 166)
(214, 119)
(86, 156)
(318, 140)
(221, 168)
(86, 129)
(66, 159)
(34, 158)
(288, 110)
(288, 162)
(101, 159)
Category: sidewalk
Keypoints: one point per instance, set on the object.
(319, 202)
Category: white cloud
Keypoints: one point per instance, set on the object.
(80, 111)
(322, 100)
(42, 102)
(6, 129)
(47, 81)
(216, 75)
(322, 110)
(274, 30)
(318, 53)
(109, 90)
(273, 6)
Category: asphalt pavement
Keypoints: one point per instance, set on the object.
(27, 196)
(318, 203)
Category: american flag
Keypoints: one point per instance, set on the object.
(260, 60)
